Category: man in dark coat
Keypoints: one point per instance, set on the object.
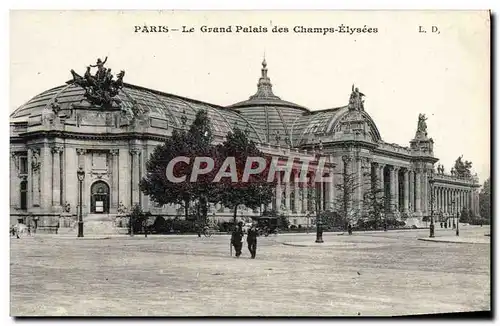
(237, 240)
(252, 241)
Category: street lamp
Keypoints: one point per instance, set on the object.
(319, 229)
(431, 227)
(81, 175)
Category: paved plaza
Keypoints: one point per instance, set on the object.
(367, 274)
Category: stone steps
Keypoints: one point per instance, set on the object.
(95, 225)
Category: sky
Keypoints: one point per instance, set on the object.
(402, 72)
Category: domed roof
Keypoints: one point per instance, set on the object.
(272, 115)
(171, 108)
(333, 124)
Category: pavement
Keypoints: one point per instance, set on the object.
(377, 274)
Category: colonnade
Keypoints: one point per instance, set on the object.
(450, 200)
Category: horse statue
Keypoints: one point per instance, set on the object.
(100, 89)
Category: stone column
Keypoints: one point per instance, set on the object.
(321, 188)
(453, 201)
(438, 199)
(418, 192)
(313, 196)
(380, 176)
(471, 200)
(296, 193)
(14, 181)
(81, 152)
(459, 200)
(70, 181)
(447, 200)
(425, 192)
(56, 176)
(305, 197)
(406, 191)
(396, 188)
(135, 152)
(331, 190)
(411, 177)
(443, 208)
(115, 175)
(477, 203)
(46, 178)
(360, 185)
(279, 192)
(287, 194)
(31, 174)
(464, 198)
(346, 174)
(392, 194)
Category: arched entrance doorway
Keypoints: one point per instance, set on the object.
(99, 198)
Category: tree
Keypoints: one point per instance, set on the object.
(374, 201)
(194, 143)
(283, 222)
(138, 220)
(234, 193)
(464, 215)
(345, 204)
(485, 200)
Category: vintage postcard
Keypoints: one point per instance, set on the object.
(249, 163)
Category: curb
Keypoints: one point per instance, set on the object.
(313, 244)
(451, 241)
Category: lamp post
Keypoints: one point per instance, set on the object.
(431, 227)
(319, 229)
(81, 175)
(458, 223)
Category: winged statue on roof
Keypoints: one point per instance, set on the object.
(100, 88)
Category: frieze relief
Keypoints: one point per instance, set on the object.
(35, 159)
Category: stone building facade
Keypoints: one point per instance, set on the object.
(60, 130)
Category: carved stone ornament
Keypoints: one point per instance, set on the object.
(35, 159)
(81, 151)
(13, 155)
(135, 151)
(57, 149)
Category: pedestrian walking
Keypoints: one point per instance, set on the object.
(252, 241)
(237, 240)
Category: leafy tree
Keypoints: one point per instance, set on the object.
(374, 201)
(345, 203)
(283, 222)
(485, 200)
(331, 219)
(234, 193)
(464, 216)
(138, 220)
(194, 143)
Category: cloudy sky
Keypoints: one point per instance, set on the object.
(403, 72)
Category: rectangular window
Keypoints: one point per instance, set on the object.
(23, 165)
